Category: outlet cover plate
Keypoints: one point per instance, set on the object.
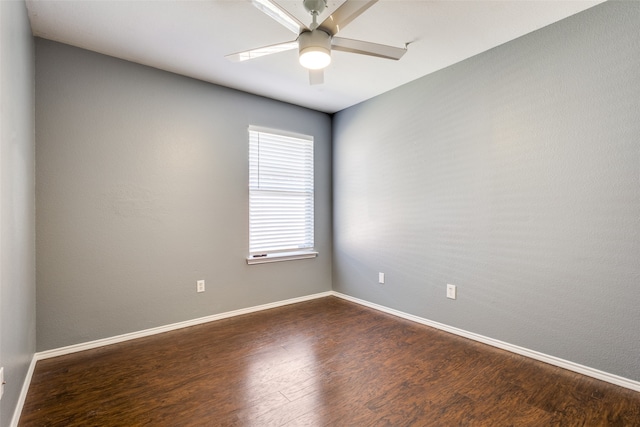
(451, 291)
(200, 286)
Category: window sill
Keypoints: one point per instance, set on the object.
(283, 256)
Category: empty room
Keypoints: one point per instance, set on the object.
(319, 213)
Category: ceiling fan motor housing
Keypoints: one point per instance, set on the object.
(314, 49)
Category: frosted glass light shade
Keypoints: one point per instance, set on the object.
(315, 49)
(315, 58)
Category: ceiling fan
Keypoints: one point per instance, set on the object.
(316, 41)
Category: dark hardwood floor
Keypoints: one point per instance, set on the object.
(326, 362)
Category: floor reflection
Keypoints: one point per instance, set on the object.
(282, 386)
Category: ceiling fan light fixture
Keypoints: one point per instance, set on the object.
(315, 58)
(315, 49)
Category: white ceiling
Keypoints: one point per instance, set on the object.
(192, 37)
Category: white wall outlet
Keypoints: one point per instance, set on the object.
(200, 286)
(451, 291)
(1, 382)
(380, 277)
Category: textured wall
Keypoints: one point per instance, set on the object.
(514, 175)
(142, 189)
(17, 202)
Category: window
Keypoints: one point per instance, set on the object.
(280, 196)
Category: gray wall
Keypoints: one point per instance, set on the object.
(17, 202)
(514, 175)
(142, 190)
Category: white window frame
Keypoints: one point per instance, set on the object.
(281, 185)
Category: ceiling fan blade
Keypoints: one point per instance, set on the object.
(262, 51)
(343, 15)
(279, 14)
(367, 48)
(316, 77)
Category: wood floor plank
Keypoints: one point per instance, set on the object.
(326, 362)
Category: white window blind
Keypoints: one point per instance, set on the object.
(280, 192)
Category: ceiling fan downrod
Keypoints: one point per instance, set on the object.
(315, 8)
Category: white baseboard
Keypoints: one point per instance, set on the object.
(571, 366)
(153, 331)
(144, 333)
(552, 360)
(23, 393)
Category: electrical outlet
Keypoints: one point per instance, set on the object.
(200, 286)
(1, 382)
(451, 291)
(380, 277)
